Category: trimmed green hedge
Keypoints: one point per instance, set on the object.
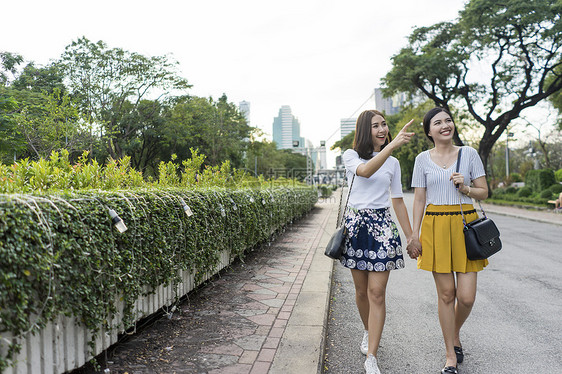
(539, 180)
(60, 254)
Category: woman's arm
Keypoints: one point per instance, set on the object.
(370, 167)
(479, 189)
(402, 215)
(415, 247)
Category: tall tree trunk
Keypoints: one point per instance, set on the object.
(484, 150)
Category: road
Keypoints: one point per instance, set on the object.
(515, 326)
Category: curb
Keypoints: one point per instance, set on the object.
(301, 349)
(532, 215)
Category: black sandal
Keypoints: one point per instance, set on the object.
(449, 370)
(460, 354)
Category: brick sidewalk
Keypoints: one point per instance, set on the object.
(236, 322)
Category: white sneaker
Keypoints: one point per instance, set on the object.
(365, 342)
(371, 366)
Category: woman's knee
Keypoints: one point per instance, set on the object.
(447, 295)
(376, 295)
(466, 300)
(361, 293)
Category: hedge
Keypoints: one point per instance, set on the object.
(539, 180)
(61, 254)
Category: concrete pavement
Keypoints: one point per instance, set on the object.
(266, 315)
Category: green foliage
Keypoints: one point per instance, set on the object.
(539, 180)
(510, 190)
(556, 188)
(524, 192)
(546, 194)
(325, 190)
(344, 143)
(10, 140)
(58, 174)
(516, 177)
(111, 83)
(263, 158)
(60, 253)
(558, 175)
(9, 63)
(515, 43)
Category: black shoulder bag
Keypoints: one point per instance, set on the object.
(481, 236)
(336, 245)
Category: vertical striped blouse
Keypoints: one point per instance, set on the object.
(440, 190)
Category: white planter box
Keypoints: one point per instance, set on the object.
(63, 344)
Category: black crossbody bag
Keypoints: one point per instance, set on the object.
(481, 236)
(336, 245)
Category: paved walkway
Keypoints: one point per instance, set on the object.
(266, 315)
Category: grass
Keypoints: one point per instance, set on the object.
(517, 203)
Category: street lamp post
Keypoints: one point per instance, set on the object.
(509, 135)
(309, 163)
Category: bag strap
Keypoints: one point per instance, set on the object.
(460, 196)
(347, 201)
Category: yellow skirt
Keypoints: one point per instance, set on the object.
(442, 240)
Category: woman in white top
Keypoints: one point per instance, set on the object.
(440, 247)
(373, 246)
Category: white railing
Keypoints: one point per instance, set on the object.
(62, 345)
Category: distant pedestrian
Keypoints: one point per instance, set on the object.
(440, 247)
(373, 246)
(558, 202)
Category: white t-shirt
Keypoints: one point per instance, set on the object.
(373, 192)
(440, 190)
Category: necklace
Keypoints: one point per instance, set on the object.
(443, 162)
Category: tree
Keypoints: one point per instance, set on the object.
(45, 79)
(264, 158)
(344, 143)
(217, 128)
(109, 83)
(11, 143)
(516, 42)
(9, 63)
(48, 122)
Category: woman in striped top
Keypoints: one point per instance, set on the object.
(440, 247)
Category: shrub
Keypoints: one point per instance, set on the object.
(499, 192)
(539, 180)
(325, 191)
(546, 194)
(524, 192)
(558, 175)
(510, 190)
(556, 188)
(516, 177)
(60, 254)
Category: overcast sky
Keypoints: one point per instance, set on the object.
(323, 58)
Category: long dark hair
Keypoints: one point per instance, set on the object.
(363, 141)
(427, 120)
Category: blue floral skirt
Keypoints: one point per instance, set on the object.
(372, 242)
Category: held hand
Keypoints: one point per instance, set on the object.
(402, 137)
(414, 248)
(458, 180)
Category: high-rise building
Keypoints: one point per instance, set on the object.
(389, 105)
(286, 129)
(244, 107)
(347, 125)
